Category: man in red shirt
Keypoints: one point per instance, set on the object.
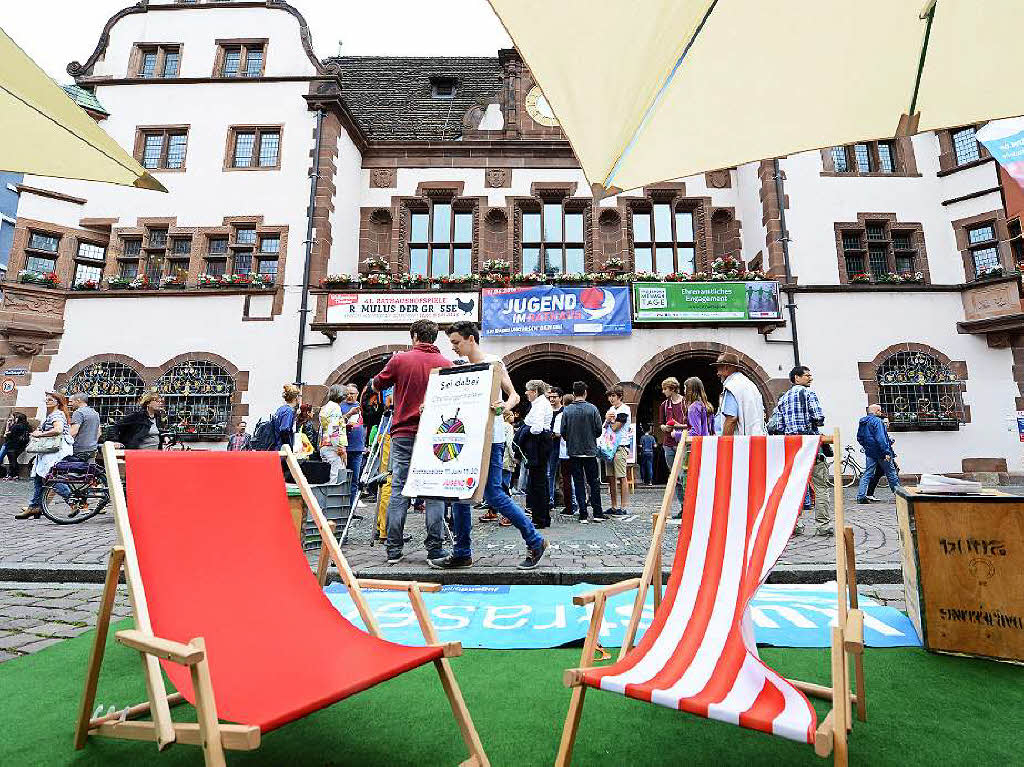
(409, 372)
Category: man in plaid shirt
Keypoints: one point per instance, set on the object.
(799, 412)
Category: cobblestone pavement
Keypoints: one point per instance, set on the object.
(34, 616)
(32, 550)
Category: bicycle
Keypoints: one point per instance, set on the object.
(851, 470)
(88, 496)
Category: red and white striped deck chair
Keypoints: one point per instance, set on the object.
(225, 601)
(743, 498)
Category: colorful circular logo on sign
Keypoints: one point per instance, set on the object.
(449, 439)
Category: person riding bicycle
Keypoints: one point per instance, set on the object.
(85, 427)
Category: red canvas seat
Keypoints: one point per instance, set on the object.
(219, 559)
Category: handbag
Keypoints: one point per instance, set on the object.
(43, 445)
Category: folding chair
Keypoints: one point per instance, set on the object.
(224, 598)
(743, 499)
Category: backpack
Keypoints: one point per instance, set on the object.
(264, 436)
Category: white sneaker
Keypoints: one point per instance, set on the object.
(871, 498)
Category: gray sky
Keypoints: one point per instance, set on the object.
(54, 32)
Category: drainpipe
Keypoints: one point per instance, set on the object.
(788, 285)
(314, 177)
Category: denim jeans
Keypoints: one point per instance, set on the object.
(874, 466)
(552, 473)
(501, 503)
(398, 507)
(647, 468)
(37, 490)
(355, 465)
(586, 475)
(670, 457)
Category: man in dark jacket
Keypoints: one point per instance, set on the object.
(873, 437)
(581, 426)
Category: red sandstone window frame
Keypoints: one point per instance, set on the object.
(259, 132)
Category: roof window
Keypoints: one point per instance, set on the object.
(443, 87)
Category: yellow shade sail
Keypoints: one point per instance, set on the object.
(44, 133)
(650, 90)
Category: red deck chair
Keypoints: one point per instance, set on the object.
(223, 596)
(743, 498)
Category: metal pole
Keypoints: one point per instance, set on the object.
(304, 309)
(788, 286)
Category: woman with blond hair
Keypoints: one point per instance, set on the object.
(700, 414)
(56, 424)
(141, 430)
(284, 418)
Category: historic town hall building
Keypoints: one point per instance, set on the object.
(899, 256)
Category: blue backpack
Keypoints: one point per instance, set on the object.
(264, 436)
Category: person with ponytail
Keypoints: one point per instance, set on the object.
(700, 414)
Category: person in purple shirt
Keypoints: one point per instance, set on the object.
(700, 415)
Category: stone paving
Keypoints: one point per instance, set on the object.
(38, 550)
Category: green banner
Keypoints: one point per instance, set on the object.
(706, 301)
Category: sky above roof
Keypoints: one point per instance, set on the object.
(55, 32)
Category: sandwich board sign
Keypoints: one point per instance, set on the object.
(452, 449)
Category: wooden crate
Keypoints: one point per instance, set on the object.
(963, 571)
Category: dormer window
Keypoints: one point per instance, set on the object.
(443, 87)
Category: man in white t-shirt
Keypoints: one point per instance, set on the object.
(617, 419)
(465, 340)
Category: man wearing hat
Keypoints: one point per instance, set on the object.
(742, 404)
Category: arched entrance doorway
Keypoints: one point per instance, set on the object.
(560, 365)
(359, 370)
(683, 361)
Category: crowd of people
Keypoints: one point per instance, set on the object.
(557, 447)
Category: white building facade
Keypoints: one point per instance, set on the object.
(902, 257)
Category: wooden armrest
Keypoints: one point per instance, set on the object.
(824, 736)
(853, 634)
(608, 591)
(450, 649)
(185, 654)
(573, 677)
(370, 583)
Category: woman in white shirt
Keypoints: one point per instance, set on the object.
(56, 424)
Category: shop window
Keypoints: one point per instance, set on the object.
(113, 389)
(918, 392)
(197, 395)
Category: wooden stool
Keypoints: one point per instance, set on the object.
(631, 477)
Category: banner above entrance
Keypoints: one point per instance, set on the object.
(401, 308)
(553, 310)
(706, 301)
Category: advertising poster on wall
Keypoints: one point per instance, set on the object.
(401, 308)
(706, 301)
(454, 435)
(557, 310)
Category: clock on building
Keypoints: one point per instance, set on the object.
(539, 109)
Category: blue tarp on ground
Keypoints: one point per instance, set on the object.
(533, 617)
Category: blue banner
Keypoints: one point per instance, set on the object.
(1004, 139)
(531, 617)
(555, 310)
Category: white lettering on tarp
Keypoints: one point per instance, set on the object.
(518, 616)
(444, 612)
(870, 622)
(757, 614)
(401, 612)
(557, 623)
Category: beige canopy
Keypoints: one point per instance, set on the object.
(649, 90)
(45, 133)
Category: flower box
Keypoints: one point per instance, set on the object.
(458, 280)
(410, 281)
(991, 272)
(532, 278)
(860, 279)
(255, 281)
(611, 278)
(118, 283)
(377, 264)
(572, 278)
(339, 281)
(614, 264)
(86, 285)
(377, 280)
(49, 280)
(496, 279)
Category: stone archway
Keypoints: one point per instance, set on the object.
(363, 364)
(537, 352)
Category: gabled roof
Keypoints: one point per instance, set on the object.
(392, 97)
(85, 99)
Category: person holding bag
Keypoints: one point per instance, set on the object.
(15, 442)
(50, 442)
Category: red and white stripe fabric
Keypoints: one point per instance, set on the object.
(743, 498)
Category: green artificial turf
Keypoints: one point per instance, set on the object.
(923, 709)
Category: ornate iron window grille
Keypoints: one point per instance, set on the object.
(113, 389)
(197, 395)
(918, 392)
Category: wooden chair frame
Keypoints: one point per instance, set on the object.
(847, 636)
(213, 736)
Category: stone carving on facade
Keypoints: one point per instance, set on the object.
(26, 302)
(26, 348)
(497, 177)
(718, 179)
(382, 178)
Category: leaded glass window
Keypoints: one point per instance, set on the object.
(965, 146)
(197, 395)
(917, 391)
(663, 240)
(839, 159)
(113, 389)
(441, 240)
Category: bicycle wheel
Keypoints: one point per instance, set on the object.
(79, 506)
(830, 476)
(851, 468)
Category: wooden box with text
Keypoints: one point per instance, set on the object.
(963, 571)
